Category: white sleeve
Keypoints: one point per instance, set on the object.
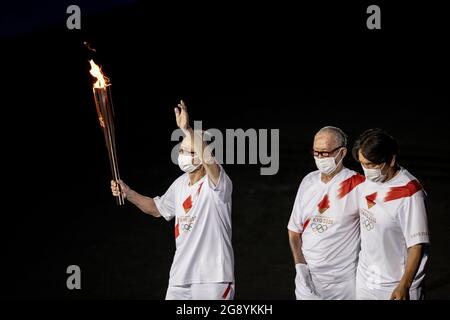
(412, 217)
(224, 187)
(166, 203)
(296, 220)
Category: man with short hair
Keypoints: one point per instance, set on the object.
(324, 224)
(200, 202)
(394, 230)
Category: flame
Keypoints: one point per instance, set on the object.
(96, 72)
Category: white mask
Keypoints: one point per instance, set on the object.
(375, 174)
(186, 163)
(327, 165)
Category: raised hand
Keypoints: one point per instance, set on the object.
(182, 116)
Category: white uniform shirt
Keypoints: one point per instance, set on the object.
(393, 218)
(202, 213)
(327, 215)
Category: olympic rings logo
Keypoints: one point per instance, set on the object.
(367, 224)
(187, 227)
(318, 227)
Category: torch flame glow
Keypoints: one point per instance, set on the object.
(96, 72)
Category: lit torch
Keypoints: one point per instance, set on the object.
(105, 112)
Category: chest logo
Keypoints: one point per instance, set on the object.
(368, 221)
(187, 204)
(371, 200)
(324, 204)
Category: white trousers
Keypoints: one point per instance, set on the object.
(344, 290)
(365, 291)
(201, 291)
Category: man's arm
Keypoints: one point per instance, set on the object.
(146, 204)
(414, 257)
(200, 147)
(295, 241)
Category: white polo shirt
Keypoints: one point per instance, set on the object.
(393, 218)
(327, 216)
(202, 213)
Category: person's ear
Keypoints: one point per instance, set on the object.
(392, 164)
(344, 153)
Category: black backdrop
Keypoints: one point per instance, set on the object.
(260, 66)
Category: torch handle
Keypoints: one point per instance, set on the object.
(121, 199)
(103, 105)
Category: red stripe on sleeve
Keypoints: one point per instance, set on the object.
(349, 184)
(403, 191)
(305, 224)
(177, 230)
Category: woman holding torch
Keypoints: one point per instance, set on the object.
(200, 202)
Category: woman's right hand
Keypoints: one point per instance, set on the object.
(115, 189)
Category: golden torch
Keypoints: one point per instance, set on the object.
(105, 112)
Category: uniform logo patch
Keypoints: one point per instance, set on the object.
(371, 200)
(321, 224)
(368, 221)
(324, 204)
(186, 223)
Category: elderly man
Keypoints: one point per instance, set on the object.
(324, 224)
(200, 202)
(394, 231)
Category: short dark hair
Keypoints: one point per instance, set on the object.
(376, 145)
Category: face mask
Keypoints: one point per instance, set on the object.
(327, 165)
(185, 162)
(374, 175)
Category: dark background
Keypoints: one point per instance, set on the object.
(274, 65)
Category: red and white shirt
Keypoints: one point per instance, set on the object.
(202, 213)
(393, 218)
(327, 216)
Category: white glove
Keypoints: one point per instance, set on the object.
(304, 286)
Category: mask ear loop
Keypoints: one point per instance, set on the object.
(381, 172)
(340, 161)
(382, 167)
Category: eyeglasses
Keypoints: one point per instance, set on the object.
(324, 153)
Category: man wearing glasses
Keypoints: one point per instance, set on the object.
(394, 231)
(323, 229)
